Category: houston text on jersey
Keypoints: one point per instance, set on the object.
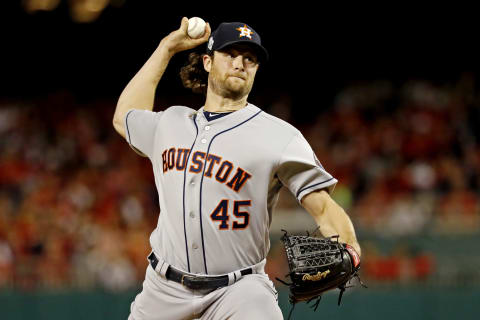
(176, 158)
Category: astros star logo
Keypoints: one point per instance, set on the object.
(245, 32)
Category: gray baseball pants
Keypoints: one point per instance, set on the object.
(252, 297)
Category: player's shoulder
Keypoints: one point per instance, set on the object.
(173, 110)
(179, 110)
(176, 112)
(276, 123)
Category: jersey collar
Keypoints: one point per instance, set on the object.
(230, 119)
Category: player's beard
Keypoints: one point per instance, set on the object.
(228, 85)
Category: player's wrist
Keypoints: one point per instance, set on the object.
(357, 248)
(166, 49)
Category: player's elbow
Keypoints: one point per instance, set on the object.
(315, 202)
(118, 125)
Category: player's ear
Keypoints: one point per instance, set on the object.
(207, 62)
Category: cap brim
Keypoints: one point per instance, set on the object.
(262, 52)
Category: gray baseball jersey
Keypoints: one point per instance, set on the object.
(218, 182)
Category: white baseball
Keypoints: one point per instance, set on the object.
(196, 27)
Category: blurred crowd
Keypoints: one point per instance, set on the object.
(407, 156)
(77, 205)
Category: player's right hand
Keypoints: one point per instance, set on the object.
(179, 40)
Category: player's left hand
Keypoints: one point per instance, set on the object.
(318, 265)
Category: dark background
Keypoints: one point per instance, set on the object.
(315, 50)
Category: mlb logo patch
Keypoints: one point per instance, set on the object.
(210, 43)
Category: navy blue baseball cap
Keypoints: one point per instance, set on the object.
(228, 33)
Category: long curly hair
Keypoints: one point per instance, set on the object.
(193, 74)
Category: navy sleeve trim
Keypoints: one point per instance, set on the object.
(126, 124)
(313, 185)
(129, 140)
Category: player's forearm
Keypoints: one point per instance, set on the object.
(140, 91)
(331, 218)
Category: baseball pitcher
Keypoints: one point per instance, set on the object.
(218, 170)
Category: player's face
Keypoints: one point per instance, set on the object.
(232, 71)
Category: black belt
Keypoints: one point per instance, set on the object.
(195, 282)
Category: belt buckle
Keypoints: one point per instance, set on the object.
(183, 277)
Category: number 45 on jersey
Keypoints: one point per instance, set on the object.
(221, 214)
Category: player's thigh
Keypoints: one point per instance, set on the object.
(160, 299)
(253, 297)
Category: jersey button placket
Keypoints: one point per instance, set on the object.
(193, 199)
(206, 128)
(192, 204)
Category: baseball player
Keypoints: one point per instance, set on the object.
(218, 171)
